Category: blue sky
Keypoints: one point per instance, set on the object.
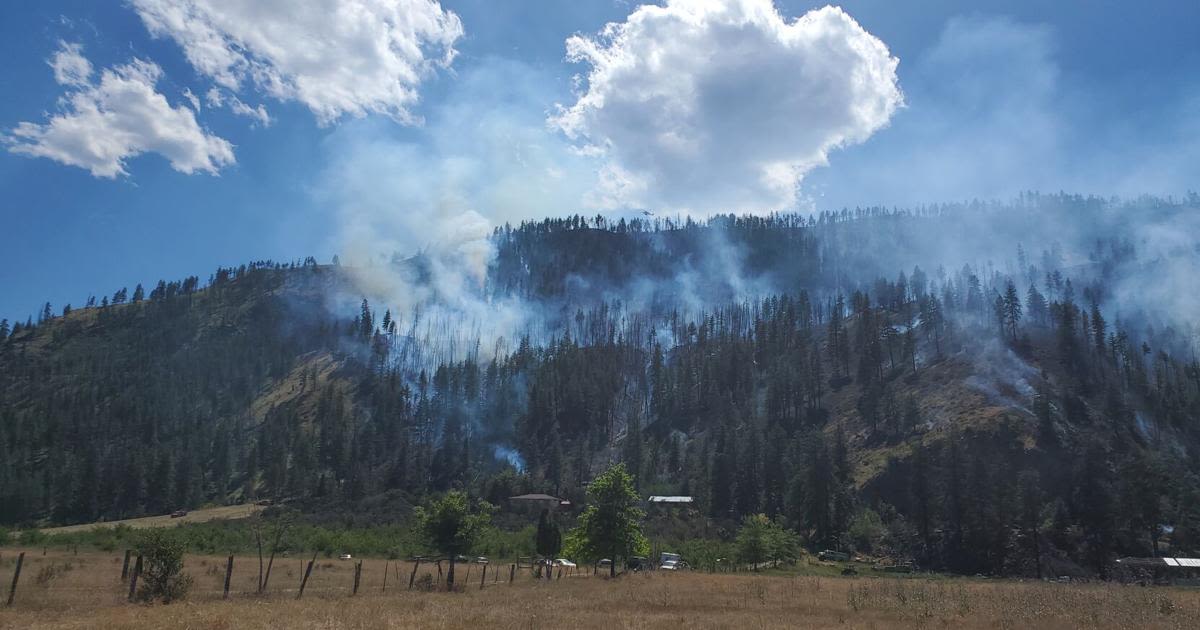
(998, 97)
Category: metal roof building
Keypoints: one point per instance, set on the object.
(1178, 571)
(667, 499)
(1181, 563)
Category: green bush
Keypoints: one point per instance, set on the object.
(702, 553)
(162, 569)
(760, 539)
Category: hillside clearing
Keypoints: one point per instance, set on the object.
(227, 512)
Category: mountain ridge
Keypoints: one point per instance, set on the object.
(916, 415)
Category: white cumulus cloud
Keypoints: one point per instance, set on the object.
(708, 105)
(70, 66)
(337, 57)
(102, 124)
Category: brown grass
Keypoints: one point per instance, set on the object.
(228, 512)
(90, 596)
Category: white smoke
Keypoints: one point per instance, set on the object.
(478, 164)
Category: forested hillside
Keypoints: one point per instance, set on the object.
(975, 387)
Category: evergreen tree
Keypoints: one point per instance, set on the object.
(932, 322)
(1011, 309)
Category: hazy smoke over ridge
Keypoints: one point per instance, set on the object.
(667, 126)
(483, 164)
(695, 137)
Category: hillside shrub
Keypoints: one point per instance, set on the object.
(163, 578)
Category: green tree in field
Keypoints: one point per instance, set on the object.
(760, 539)
(452, 527)
(163, 577)
(611, 524)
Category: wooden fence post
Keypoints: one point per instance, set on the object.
(133, 578)
(385, 570)
(439, 579)
(357, 576)
(125, 566)
(560, 569)
(307, 572)
(414, 573)
(482, 577)
(228, 574)
(12, 590)
(512, 572)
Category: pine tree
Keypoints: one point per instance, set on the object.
(1094, 505)
(910, 348)
(721, 476)
(932, 322)
(1036, 304)
(1099, 329)
(366, 323)
(1012, 309)
(1031, 502)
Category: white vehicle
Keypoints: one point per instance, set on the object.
(563, 562)
(671, 562)
(345, 556)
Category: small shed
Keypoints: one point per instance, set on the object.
(658, 505)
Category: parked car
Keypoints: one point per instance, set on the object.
(563, 562)
(672, 562)
(345, 556)
(833, 556)
(636, 563)
(179, 513)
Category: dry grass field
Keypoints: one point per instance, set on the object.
(83, 591)
(226, 512)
